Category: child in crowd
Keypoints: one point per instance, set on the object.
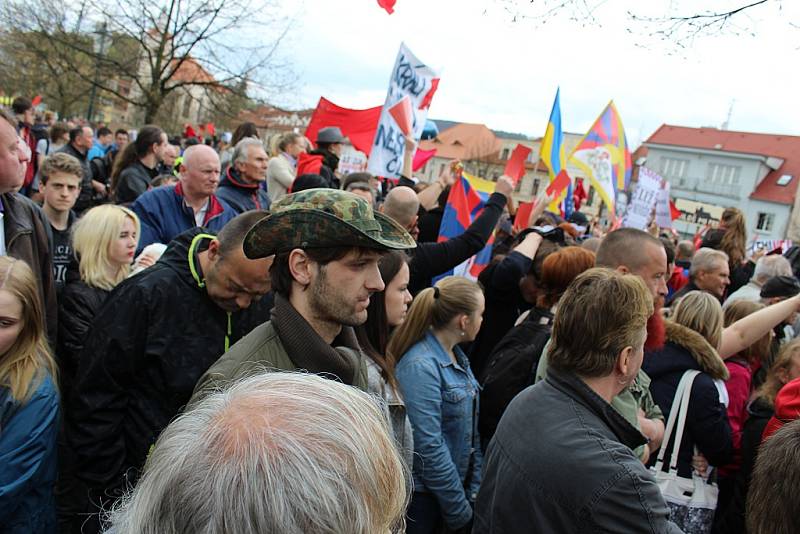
(61, 176)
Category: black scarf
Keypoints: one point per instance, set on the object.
(308, 350)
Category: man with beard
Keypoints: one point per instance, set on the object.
(636, 252)
(327, 245)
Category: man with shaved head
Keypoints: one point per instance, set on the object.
(165, 212)
(433, 259)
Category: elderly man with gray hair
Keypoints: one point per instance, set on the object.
(766, 267)
(709, 272)
(241, 188)
(277, 452)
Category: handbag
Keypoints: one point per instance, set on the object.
(691, 501)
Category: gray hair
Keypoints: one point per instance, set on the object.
(706, 259)
(275, 453)
(769, 266)
(684, 250)
(242, 149)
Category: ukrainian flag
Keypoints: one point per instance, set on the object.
(552, 149)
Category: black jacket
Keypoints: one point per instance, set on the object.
(429, 224)
(432, 259)
(133, 181)
(504, 304)
(86, 194)
(512, 367)
(707, 425)
(29, 237)
(138, 369)
(76, 312)
(732, 519)
(240, 196)
(561, 461)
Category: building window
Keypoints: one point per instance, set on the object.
(765, 222)
(535, 190)
(725, 175)
(441, 168)
(674, 168)
(504, 156)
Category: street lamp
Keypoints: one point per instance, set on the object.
(100, 44)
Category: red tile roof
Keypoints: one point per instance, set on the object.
(464, 141)
(786, 147)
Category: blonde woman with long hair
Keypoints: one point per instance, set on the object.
(441, 396)
(29, 406)
(104, 240)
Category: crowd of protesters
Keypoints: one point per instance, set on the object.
(195, 339)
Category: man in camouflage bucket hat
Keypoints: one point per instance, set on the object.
(327, 244)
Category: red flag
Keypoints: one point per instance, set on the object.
(674, 212)
(358, 125)
(515, 168)
(580, 194)
(388, 5)
(559, 184)
(522, 218)
(36, 100)
(308, 164)
(421, 157)
(426, 101)
(403, 115)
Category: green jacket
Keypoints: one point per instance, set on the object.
(260, 350)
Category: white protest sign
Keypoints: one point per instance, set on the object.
(643, 200)
(412, 78)
(663, 211)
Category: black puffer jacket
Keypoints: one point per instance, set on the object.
(76, 311)
(133, 181)
(160, 333)
(707, 425)
(512, 367)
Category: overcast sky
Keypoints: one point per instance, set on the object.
(505, 73)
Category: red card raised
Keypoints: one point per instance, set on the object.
(521, 220)
(515, 168)
(403, 115)
(559, 184)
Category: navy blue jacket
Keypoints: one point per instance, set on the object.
(707, 426)
(28, 461)
(164, 215)
(239, 195)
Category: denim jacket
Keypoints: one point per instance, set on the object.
(442, 403)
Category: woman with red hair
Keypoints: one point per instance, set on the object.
(512, 365)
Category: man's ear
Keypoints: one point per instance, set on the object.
(623, 269)
(213, 250)
(624, 362)
(301, 267)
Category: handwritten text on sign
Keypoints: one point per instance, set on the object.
(412, 78)
(643, 200)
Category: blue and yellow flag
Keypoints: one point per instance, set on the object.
(552, 149)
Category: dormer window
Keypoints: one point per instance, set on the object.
(785, 180)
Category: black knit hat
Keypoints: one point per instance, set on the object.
(780, 286)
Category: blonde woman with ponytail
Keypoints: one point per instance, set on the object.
(29, 406)
(441, 396)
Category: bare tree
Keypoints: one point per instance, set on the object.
(678, 24)
(155, 45)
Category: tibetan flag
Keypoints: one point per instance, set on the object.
(464, 204)
(604, 156)
(552, 149)
(358, 125)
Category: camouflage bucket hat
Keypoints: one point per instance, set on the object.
(321, 218)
